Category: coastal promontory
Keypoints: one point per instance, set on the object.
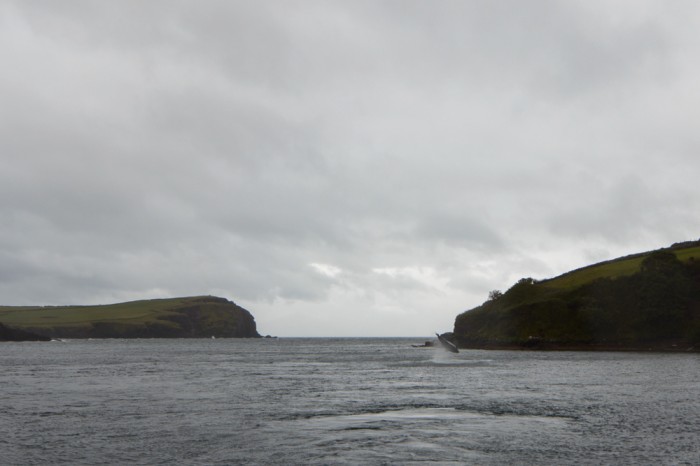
(189, 317)
(640, 302)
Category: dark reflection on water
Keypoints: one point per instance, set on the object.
(341, 401)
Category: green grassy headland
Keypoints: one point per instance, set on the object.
(645, 301)
(199, 316)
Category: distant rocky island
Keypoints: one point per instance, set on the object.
(189, 317)
(641, 302)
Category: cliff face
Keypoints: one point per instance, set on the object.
(646, 301)
(11, 334)
(213, 316)
(194, 317)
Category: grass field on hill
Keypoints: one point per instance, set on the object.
(612, 269)
(135, 312)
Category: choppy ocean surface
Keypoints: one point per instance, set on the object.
(341, 401)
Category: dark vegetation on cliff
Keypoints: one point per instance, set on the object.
(643, 301)
(13, 334)
(201, 316)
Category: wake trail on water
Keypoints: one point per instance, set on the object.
(443, 358)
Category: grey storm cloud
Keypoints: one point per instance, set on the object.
(339, 168)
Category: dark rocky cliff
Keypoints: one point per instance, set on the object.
(11, 334)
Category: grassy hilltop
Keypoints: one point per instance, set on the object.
(644, 301)
(199, 316)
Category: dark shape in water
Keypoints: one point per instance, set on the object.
(427, 344)
(447, 344)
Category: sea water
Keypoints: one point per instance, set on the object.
(341, 401)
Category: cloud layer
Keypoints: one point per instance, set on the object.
(339, 168)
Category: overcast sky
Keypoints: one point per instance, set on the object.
(339, 168)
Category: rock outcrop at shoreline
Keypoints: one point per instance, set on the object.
(12, 334)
